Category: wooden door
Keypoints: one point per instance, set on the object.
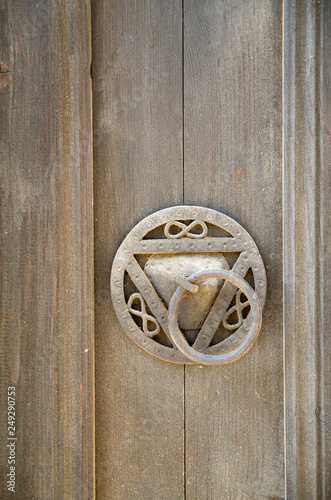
(215, 103)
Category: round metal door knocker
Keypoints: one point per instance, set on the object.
(188, 285)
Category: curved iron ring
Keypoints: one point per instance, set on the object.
(188, 285)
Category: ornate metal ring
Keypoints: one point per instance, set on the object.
(251, 324)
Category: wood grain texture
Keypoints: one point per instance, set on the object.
(46, 247)
(137, 100)
(233, 163)
(207, 98)
(289, 245)
(306, 234)
(323, 411)
(236, 79)
(306, 251)
(306, 203)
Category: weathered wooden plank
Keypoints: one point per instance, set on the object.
(323, 411)
(46, 247)
(306, 248)
(232, 136)
(308, 379)
(137, 89)
(289, 244)
(305, 252)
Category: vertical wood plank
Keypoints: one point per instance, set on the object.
(232, 116)
(306, 269)
(46, 247)
(289, 246)
(306, 188)
(137, 90)
(308, 376)
(323, 411)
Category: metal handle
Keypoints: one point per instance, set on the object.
(216, 325)
(251, 325)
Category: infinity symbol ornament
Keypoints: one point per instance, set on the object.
(185, 230)
(186, 268)
(142, 313)
(238, 308)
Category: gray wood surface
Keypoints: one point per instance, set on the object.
(219, 103)
(253, 84)
(308, 384)
(289, 257)
(137, 99)
(233, 163)
(306, 230)
(46, 342)
(323, 410)
(306, 251)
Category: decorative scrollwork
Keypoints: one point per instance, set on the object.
(142, 313)
(238, 308)
(151, 262)
(185, 229)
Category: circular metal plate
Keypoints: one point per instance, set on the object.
(196, 232)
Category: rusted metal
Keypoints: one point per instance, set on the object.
(181, 242)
